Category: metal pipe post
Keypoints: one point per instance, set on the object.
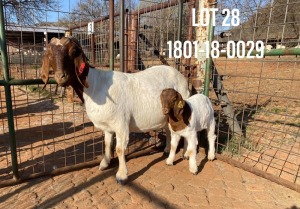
(190, 29)
(111, 35)
(201, 37)
(93, 48)
(12, 139)
(121, 36)
(133, 42)
(126, 42)
(180, 9)
(209, 59)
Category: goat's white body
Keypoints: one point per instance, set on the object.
(202, 117)
(115, 99)
(121, 103)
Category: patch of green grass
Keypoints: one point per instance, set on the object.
(236, 144)
(36, 66)
(263, 110)
(35, 89)
(275, 110)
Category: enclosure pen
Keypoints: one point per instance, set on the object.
(256, 97)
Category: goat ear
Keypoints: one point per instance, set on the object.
(81, 70)
(178, 106)
(45, 69)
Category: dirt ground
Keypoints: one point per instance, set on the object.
(153, 184)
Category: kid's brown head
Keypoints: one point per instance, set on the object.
(172, 102)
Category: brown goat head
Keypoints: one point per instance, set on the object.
(172, 102)
(69, 63)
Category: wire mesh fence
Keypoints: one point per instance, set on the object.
(50, 133)
(264, 93)
(148, 28)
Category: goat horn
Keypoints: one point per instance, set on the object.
(54, 41)
(64, 40)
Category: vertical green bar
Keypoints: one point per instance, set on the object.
(12, 139)
(209, 59)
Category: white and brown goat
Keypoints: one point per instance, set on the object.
(186, 118)
(115, 102)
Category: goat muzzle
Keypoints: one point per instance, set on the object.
(61, 78)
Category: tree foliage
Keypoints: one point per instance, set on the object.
(27, 12)
(87, 10)
(262, 19)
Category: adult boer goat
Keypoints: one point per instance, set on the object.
(186, 117)
(115, 102)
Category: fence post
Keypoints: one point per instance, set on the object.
(190, 29)
(133, 39)
(93, 48)
(111, 35)
(179, 32)
(201, 37)
(12, 136)
(208, 63)
(121, 35)
(126, 41)
(202, 81)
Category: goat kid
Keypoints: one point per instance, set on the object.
(186, 118)
(115, 102)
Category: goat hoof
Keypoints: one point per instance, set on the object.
(211, 157)
(166, 153)
(194, 172)
(185, 157)
(121, 177)
(169, 162)
(103, 165)
(121, 182)
(101, 169)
